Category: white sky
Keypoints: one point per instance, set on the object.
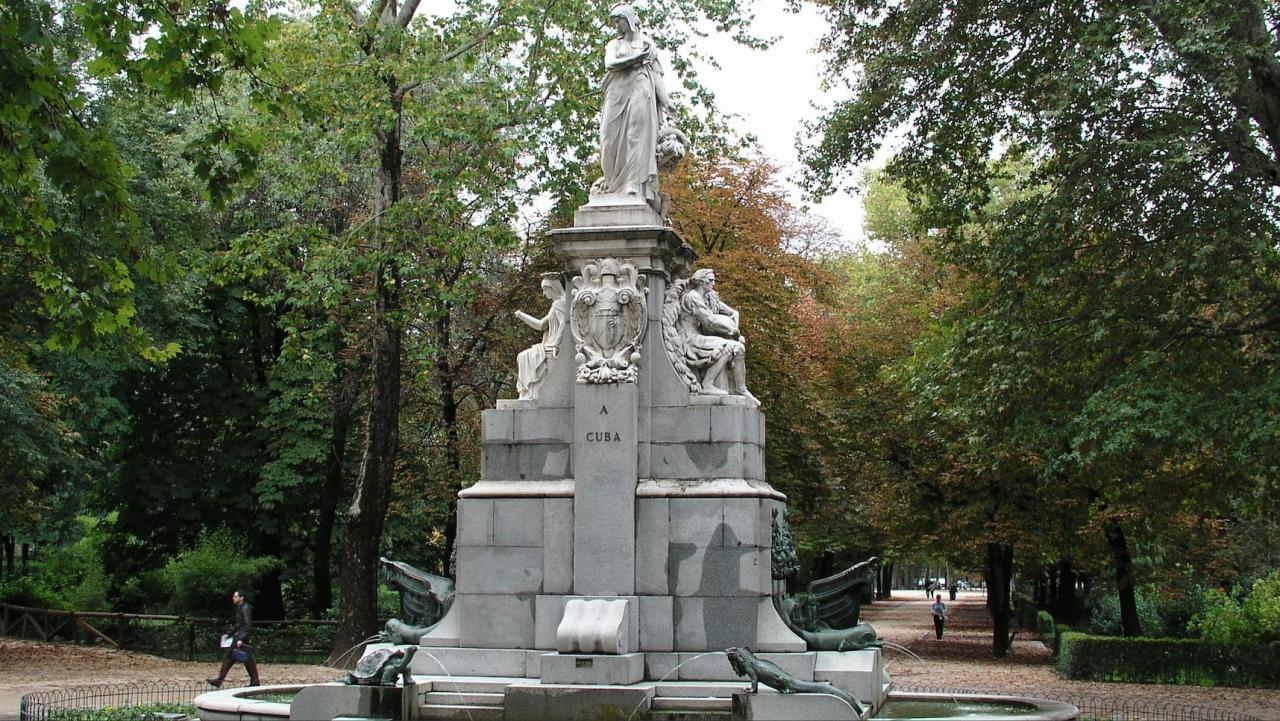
(774, 91)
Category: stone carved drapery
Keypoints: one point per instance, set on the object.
(532, 363)
(608, 319)
(702, 338)
(631, 118)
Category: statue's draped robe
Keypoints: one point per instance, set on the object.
(698, 321)
(531, 363)
(629, 125)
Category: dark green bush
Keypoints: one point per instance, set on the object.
(1045, 627)
(1159, 660)
(31, 591)
(200, 580)
(1104, 620)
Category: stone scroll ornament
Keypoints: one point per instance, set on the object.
(608, 319)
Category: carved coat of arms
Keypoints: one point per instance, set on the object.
(608, 320)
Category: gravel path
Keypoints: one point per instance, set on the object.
(30, 666)
(961, 661)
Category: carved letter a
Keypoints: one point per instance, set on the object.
(603, 411)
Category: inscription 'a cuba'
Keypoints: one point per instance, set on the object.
(599, 436)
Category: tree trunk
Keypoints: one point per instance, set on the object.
(445, 370)
(26, 558)
(1130, 624)
(357, 613)
(269, 603)
(884, 588)
(9, 547)
(824, 564)
(1066, 608)
(322, 557)
(999, 573)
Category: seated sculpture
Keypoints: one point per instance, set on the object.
(704, 339)
(532, 363)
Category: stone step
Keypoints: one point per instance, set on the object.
(454, 712)
(470, 684)
(691, 703)
(659, 715)
(449, 698)
(717, 689)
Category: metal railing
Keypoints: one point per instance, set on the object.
(85, 702)
(1095, 708)
(190, 638)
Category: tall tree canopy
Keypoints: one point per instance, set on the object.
(1119, 340)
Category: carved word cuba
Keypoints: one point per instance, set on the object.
(603, 436)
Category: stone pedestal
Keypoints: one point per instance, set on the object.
(633, 490)
(604, 516)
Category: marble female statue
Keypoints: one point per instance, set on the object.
(531, 364)
(635, 102)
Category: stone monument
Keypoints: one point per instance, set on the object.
(622, 525)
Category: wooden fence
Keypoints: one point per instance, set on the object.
(121, 630)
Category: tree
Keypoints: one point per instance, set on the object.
(1125, 311)
(456, 117)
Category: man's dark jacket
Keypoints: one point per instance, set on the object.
(244, 622)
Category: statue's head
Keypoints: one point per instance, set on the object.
(551, 285)
(627, 13)
(703, 276)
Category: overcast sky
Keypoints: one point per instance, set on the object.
(774, 92)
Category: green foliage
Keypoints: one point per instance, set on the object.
(1091, 174)
(76, 569)
(1104, 619)
(31, 591)
(1253, 619)
(1083, 657)
(200, 580)
(1046, 628)
(140, 712)
(388, 601)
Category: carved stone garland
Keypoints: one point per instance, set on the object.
(608, 320)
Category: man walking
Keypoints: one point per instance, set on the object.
(239, 651)
(939, 610)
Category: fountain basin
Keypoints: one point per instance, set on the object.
(248, 704)
(977, 707)
(245, 704)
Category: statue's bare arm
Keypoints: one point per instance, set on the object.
(534, 323)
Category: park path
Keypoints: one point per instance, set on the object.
(962, 660)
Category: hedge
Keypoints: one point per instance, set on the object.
(1163, 660)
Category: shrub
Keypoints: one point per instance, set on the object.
(201, 579)
(1104, 620)
(388, 601)
(30, 591)
(1045, 627)
(1255, 619)
(142, 712)
(1160, 660)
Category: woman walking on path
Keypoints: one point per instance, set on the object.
(939, 610)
